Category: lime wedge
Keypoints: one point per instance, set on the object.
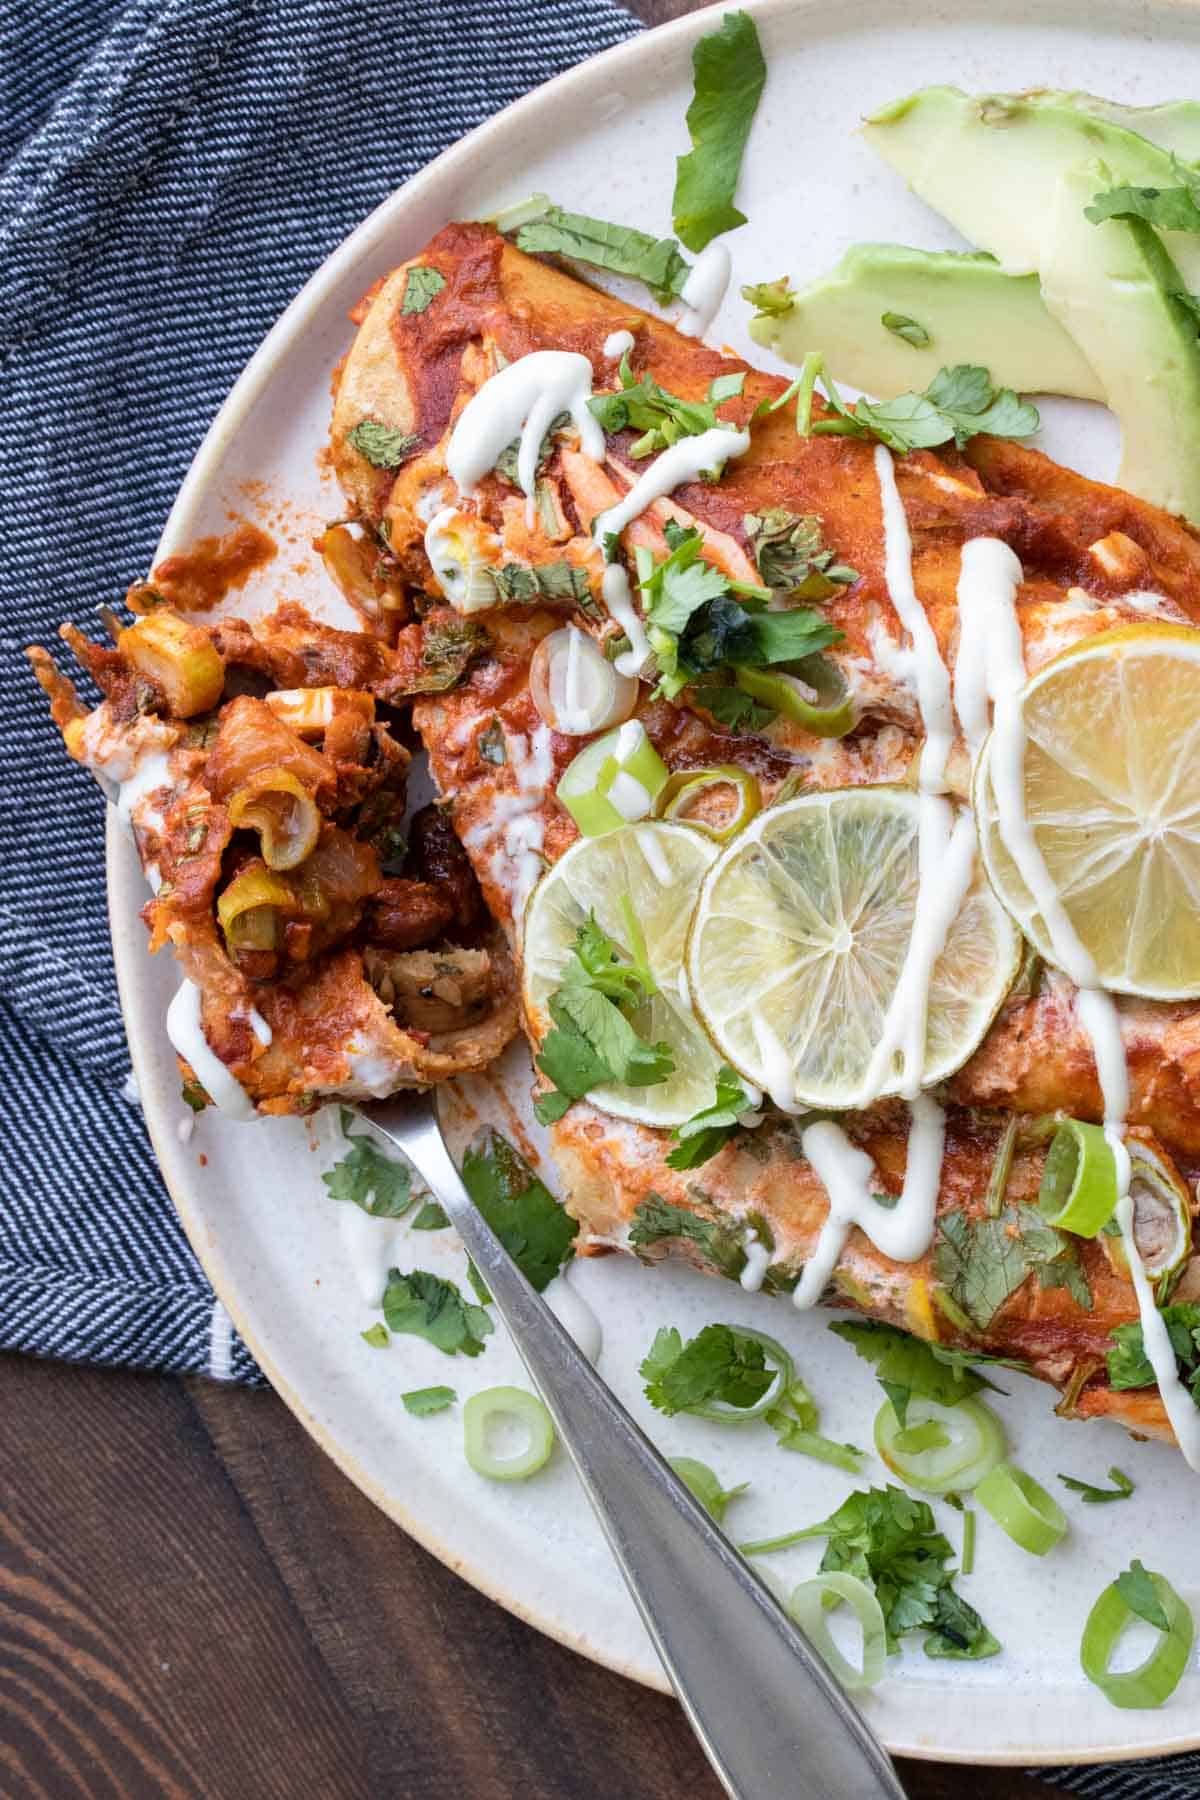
(649, 873)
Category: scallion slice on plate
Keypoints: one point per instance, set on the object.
(1022, 1507)
(483, 1413)
(940, 1449)
(810, 1605)
(1138, 1593)
(624, 756)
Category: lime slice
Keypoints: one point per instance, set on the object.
(651, 873)
(1112, 795)
(800, 936)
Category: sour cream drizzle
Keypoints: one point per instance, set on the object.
(618, 344)
(186, 1032)
(991, 663)
(619, 600)
(704, 290)
(515, 829)
(680, 462)
(521, 401)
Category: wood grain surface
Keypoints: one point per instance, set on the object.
(195, 1603)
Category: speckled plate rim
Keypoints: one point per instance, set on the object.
(124, 879)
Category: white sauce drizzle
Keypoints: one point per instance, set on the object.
(260, 1028)
(515, 819)
(619, 600)
(777, 1065)
(704, 290)
(684, 461)
(757, 1259)
(521, 401)
(991, 663)
(186, 1032)
(152, 770)
(618, 344)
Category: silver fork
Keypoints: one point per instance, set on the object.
(770, 1717)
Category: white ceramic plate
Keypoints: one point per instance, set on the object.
(281, 1254)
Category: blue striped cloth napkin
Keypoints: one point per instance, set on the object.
(158, 209)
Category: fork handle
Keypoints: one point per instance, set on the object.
(768, 1714)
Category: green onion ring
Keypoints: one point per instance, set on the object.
(509, 1403)
(582, 788)
(1153, 1680)
(744, 1415)
(1079, 1180)
(1022, 1507)
(683, 789)
(975, 1444)
(808, 1606)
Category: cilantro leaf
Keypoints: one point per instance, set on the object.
(791, 556)
(543, 581)
(959, 1632)
(536, 1231)
(982, 1262)
(655, 1219)
(377, 1336)
(1170, 209)
(423, 285)
(1130, 1367)
(706, 1132)
(732, 708)
(909, 329)
(1097, 1496)
(369, 1179)
(959, 403)
(729, 76)
(718, 1364)
(383, 447)
(905, 1366)
(423, 1305)
(593, 1042)
(1136, 1588)
(661, 417)
(622, 250)
(420, 1402)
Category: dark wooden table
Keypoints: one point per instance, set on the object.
(195, 1602)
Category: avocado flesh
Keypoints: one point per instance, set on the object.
(1114, 288)
(972, 310)
(990, 164)
(1174, 126)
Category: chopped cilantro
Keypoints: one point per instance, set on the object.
(420, 1402)
(544, 581)
(1168, 208)
(592, 1041)
(908, 329)
(1098, 1496)
(729, 74)
(193, 1095)
(491, 745)
(795, 1420)
(661, 417)
(422, 286)
(958, 404)
(448, 645)
(655, 1219)
(791, 555)
(377, 1336)
(982, 1262)
(906, 1366)
(706, 1485)
(655, 262)
(732, 708)
(369, 1179)
(535, 1230)
(430, 1218)
(706, 1132)
(1130, 1367)
(890, 1540)
(719, 1364)
(1136, 1588)
(383, 447)
(423, 1305)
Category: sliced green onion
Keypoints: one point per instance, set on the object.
(683, 790)
(587, 780)
(812, 692)
(971, 1443)
(1162, 1219)
(1022, 1507)
(809, 1605)
(1153, 1680)
(481, 1413)
(967, 1559)
(706, 1485)
(723, 1414)
(1079, 1181)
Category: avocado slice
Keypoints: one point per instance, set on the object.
(990, 162)
(1115, 289)
(972, 310)
(1174, 125)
